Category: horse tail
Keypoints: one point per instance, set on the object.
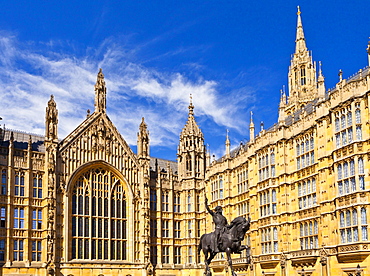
(200, 244)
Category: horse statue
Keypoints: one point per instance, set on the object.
(229, 242)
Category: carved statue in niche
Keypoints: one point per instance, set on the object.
(51, 181)
(146, 191)
(101, 127)
(62, 184)
(51, 130)
(51, 117)
(94, 143)
(107, 145)
(51, 161)
(146, 251)
(50, 247)
(51, 220)
(282, 261)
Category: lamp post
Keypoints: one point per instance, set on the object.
(358, 270)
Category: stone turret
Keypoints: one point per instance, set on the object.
(320, 84)
(51, 120)
(282, 106)
(143, 140)
(191, 150)
(302, 73)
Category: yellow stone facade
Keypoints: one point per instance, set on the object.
(89, 205)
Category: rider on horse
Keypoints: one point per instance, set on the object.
(221, 225)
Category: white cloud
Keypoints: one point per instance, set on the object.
(28, 77)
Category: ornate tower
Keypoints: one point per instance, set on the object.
(100, 93)
(191, 150)
(142, 197)
(302, 73)
(51, 146)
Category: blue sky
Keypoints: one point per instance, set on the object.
(233, 56)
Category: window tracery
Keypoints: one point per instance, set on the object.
(99, 229)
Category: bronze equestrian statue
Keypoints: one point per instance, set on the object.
(226, 238)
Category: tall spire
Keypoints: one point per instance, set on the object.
(191, 106)
(100, 93)
(302, 81)
(300, 40)
(282, 106)
(320, 84)
(191, 126)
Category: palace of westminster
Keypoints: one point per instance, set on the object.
(88, 205)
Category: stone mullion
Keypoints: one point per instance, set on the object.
(109, 216)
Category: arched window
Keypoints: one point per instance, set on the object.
(189, 203)
(273, 199)
(99, 229)
(275, 239)
(188, 163)
(337, 128)
(358, 116)
(349, 118)
(343, 122)
(360, 166)
(363, 216)
(303, 76)
(364, 224)
(342, 219)
(355, 227)
(37, 186)
(345, 169)
(352, 167)
(3, 182)
(19, 184)
(339, 172)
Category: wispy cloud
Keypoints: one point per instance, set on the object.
(28, 77)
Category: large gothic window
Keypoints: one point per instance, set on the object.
(99, 217)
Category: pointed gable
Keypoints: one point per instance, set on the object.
(97, 140)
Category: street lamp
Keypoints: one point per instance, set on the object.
(302, 272)
(358, 270)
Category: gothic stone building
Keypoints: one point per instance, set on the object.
(87, 204)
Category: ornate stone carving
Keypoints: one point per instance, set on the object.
(323, 257)
(51, 119)
(100, 93)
